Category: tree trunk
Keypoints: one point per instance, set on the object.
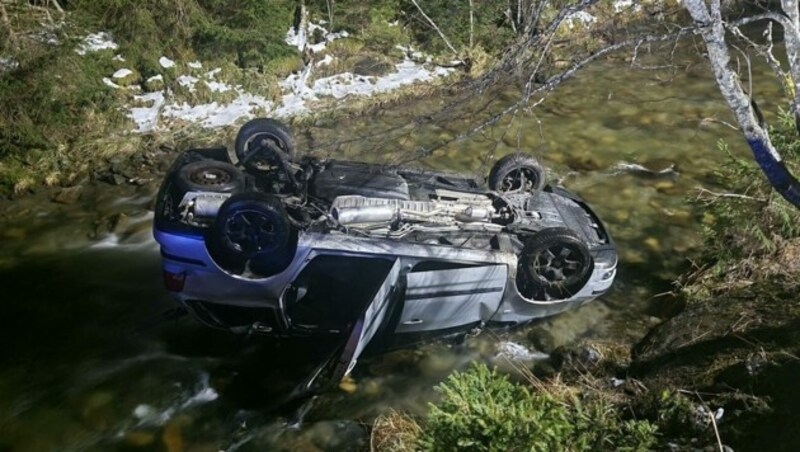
(711, 28)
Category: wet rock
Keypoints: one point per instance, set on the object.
(118, 179)
(566, 328)
(437, 364)
(583, 163)
(69, 195)
(138, 438)
(172, 437)
(348, 385)
(667, 188)
(337, 435)
(97, 410)
(14, 233)
(591, 356)
(399, 361)
(652, 244)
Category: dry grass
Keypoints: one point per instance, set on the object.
(395, 432)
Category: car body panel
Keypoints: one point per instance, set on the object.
(443, 299)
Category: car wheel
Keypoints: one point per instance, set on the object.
(210, 176)
(516, 172)
(555, 264)
(252, 232)
(254, 139)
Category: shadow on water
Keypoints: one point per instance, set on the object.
(72, 352)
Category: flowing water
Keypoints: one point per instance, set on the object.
(77, 373)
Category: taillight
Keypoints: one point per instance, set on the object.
(174, 281)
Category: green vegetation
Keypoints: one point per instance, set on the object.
(59, 122)
(749, 221)
(481, 410)
(247, 32)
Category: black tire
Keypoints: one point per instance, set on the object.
(252, 232)
(210, 176)
(252, 141)
(516, 172)
(555, 264)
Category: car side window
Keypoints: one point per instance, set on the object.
(332, 291)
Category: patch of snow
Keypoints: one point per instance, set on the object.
(122, 73)
(581, 17)
(408, 72)
(621, 5)
(187, 81)
(146, 118)
(7, 64)
(299, 93)
(156, 78)
(215, 115)
(299, 39)
(96, 42)
(329, 37)
(195, 65)
(166, 63)
(325, 61)
(217, 87)
(107, 81)
(118, 57)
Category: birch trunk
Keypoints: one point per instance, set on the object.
(708, 19)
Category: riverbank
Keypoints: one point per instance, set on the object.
(717, 371)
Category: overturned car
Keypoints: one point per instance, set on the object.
(288, 246)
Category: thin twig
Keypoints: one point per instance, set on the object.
(435, 27)
(716, 195)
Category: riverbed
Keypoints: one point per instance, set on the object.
(87, 366)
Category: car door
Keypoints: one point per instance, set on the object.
(366, 326)
(450, 298)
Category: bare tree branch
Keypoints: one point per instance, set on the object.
(435, 27)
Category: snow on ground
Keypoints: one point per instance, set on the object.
(154, 111)
(7, 64)
(581, 17)
(96, 42)
(166, 63)
(299, 39)
(122, 73)
(621, 5)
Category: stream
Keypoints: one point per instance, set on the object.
(82, 279)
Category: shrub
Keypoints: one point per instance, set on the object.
(737, 227)
(482, 410)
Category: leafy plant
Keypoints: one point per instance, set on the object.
(482, 410)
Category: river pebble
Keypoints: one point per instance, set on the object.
(348, 385)
(653, 244)
(138, 438)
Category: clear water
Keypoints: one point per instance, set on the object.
(75, 374)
